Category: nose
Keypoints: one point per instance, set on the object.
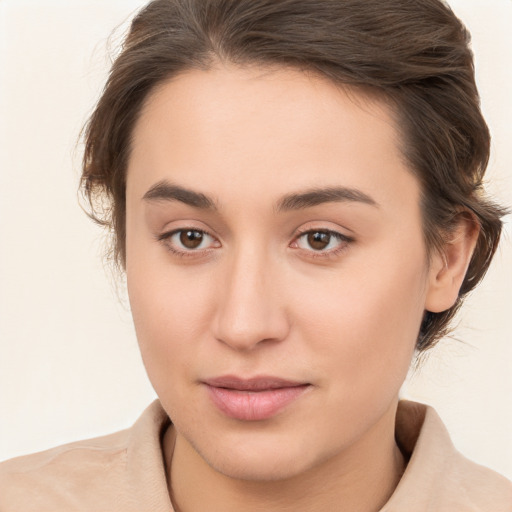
(251, 309)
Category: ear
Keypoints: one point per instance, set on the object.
(449, 265)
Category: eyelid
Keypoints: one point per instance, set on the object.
(166, 237)
(344, 240)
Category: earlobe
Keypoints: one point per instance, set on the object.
(449, 265)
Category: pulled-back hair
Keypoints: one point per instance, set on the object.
(414, 53)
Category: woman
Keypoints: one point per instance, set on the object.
(295, 192)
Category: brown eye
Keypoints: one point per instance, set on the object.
(189, 242)
(323, 242)
(318, 240)
(191, 239)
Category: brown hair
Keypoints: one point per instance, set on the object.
(415, 53)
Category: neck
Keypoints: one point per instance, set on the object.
(361, 479)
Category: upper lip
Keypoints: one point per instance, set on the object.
(253, 384)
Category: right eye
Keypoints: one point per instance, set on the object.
(186, 241)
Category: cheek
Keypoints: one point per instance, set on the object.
(170, 317)
(365, 320)
(170, 313)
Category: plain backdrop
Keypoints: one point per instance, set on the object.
(69, 363)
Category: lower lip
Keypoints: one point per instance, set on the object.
(254, 405)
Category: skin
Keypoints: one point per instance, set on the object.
(256, 298)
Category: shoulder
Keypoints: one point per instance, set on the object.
(57, 477)
(438, 477)
(121, 471)
(480, 488)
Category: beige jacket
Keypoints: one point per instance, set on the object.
(125, 472)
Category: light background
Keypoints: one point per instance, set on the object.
(69, 363)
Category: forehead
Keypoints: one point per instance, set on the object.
(231, 129)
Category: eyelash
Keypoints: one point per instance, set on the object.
(343, 240)
(191, 253)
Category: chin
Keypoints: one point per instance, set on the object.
(258, 459)
(257, 469)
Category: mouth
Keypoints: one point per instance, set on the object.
(254, 399)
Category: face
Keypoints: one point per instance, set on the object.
(275, 263)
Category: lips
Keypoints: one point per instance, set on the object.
(253, 399)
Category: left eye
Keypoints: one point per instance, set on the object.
(320, 240)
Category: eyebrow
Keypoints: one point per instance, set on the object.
(317, 196)
(166, 191)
